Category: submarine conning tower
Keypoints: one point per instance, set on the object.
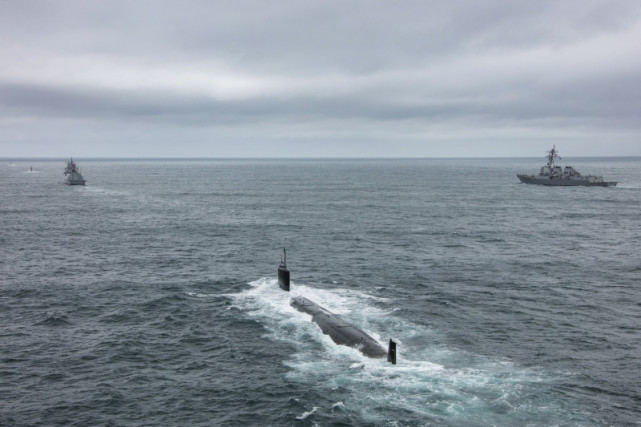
(283, 273)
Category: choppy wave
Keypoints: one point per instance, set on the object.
(134, 300)
(54, 320)
(430, 381)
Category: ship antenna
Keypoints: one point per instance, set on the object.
(285, 256)
(551, 154)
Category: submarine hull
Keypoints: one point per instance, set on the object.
(340, 331)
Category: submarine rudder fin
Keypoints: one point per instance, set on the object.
(391, 352)
(283, 273)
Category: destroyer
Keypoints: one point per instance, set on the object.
(74, 177)
(552, 174)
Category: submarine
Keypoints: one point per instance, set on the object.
(339, 330)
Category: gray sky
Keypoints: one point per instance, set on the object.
(304, 78)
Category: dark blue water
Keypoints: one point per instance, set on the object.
(149, 297)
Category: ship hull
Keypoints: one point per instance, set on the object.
(563, 182)
(340, 331)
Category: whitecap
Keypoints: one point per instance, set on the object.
(307, 414)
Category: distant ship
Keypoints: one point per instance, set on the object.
(551, 174)
(74, 177)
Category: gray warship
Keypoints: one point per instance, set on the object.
(74, 177)
(552, 174)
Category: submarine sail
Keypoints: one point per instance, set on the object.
(283, 273)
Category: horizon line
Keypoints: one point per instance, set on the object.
(303, 158)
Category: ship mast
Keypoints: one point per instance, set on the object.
(551, 155)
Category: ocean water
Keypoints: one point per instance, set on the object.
(149, 297)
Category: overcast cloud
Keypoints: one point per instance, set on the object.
(306, 78)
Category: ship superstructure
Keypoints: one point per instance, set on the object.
(72, 172)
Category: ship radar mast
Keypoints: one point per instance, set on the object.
(552, 154)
